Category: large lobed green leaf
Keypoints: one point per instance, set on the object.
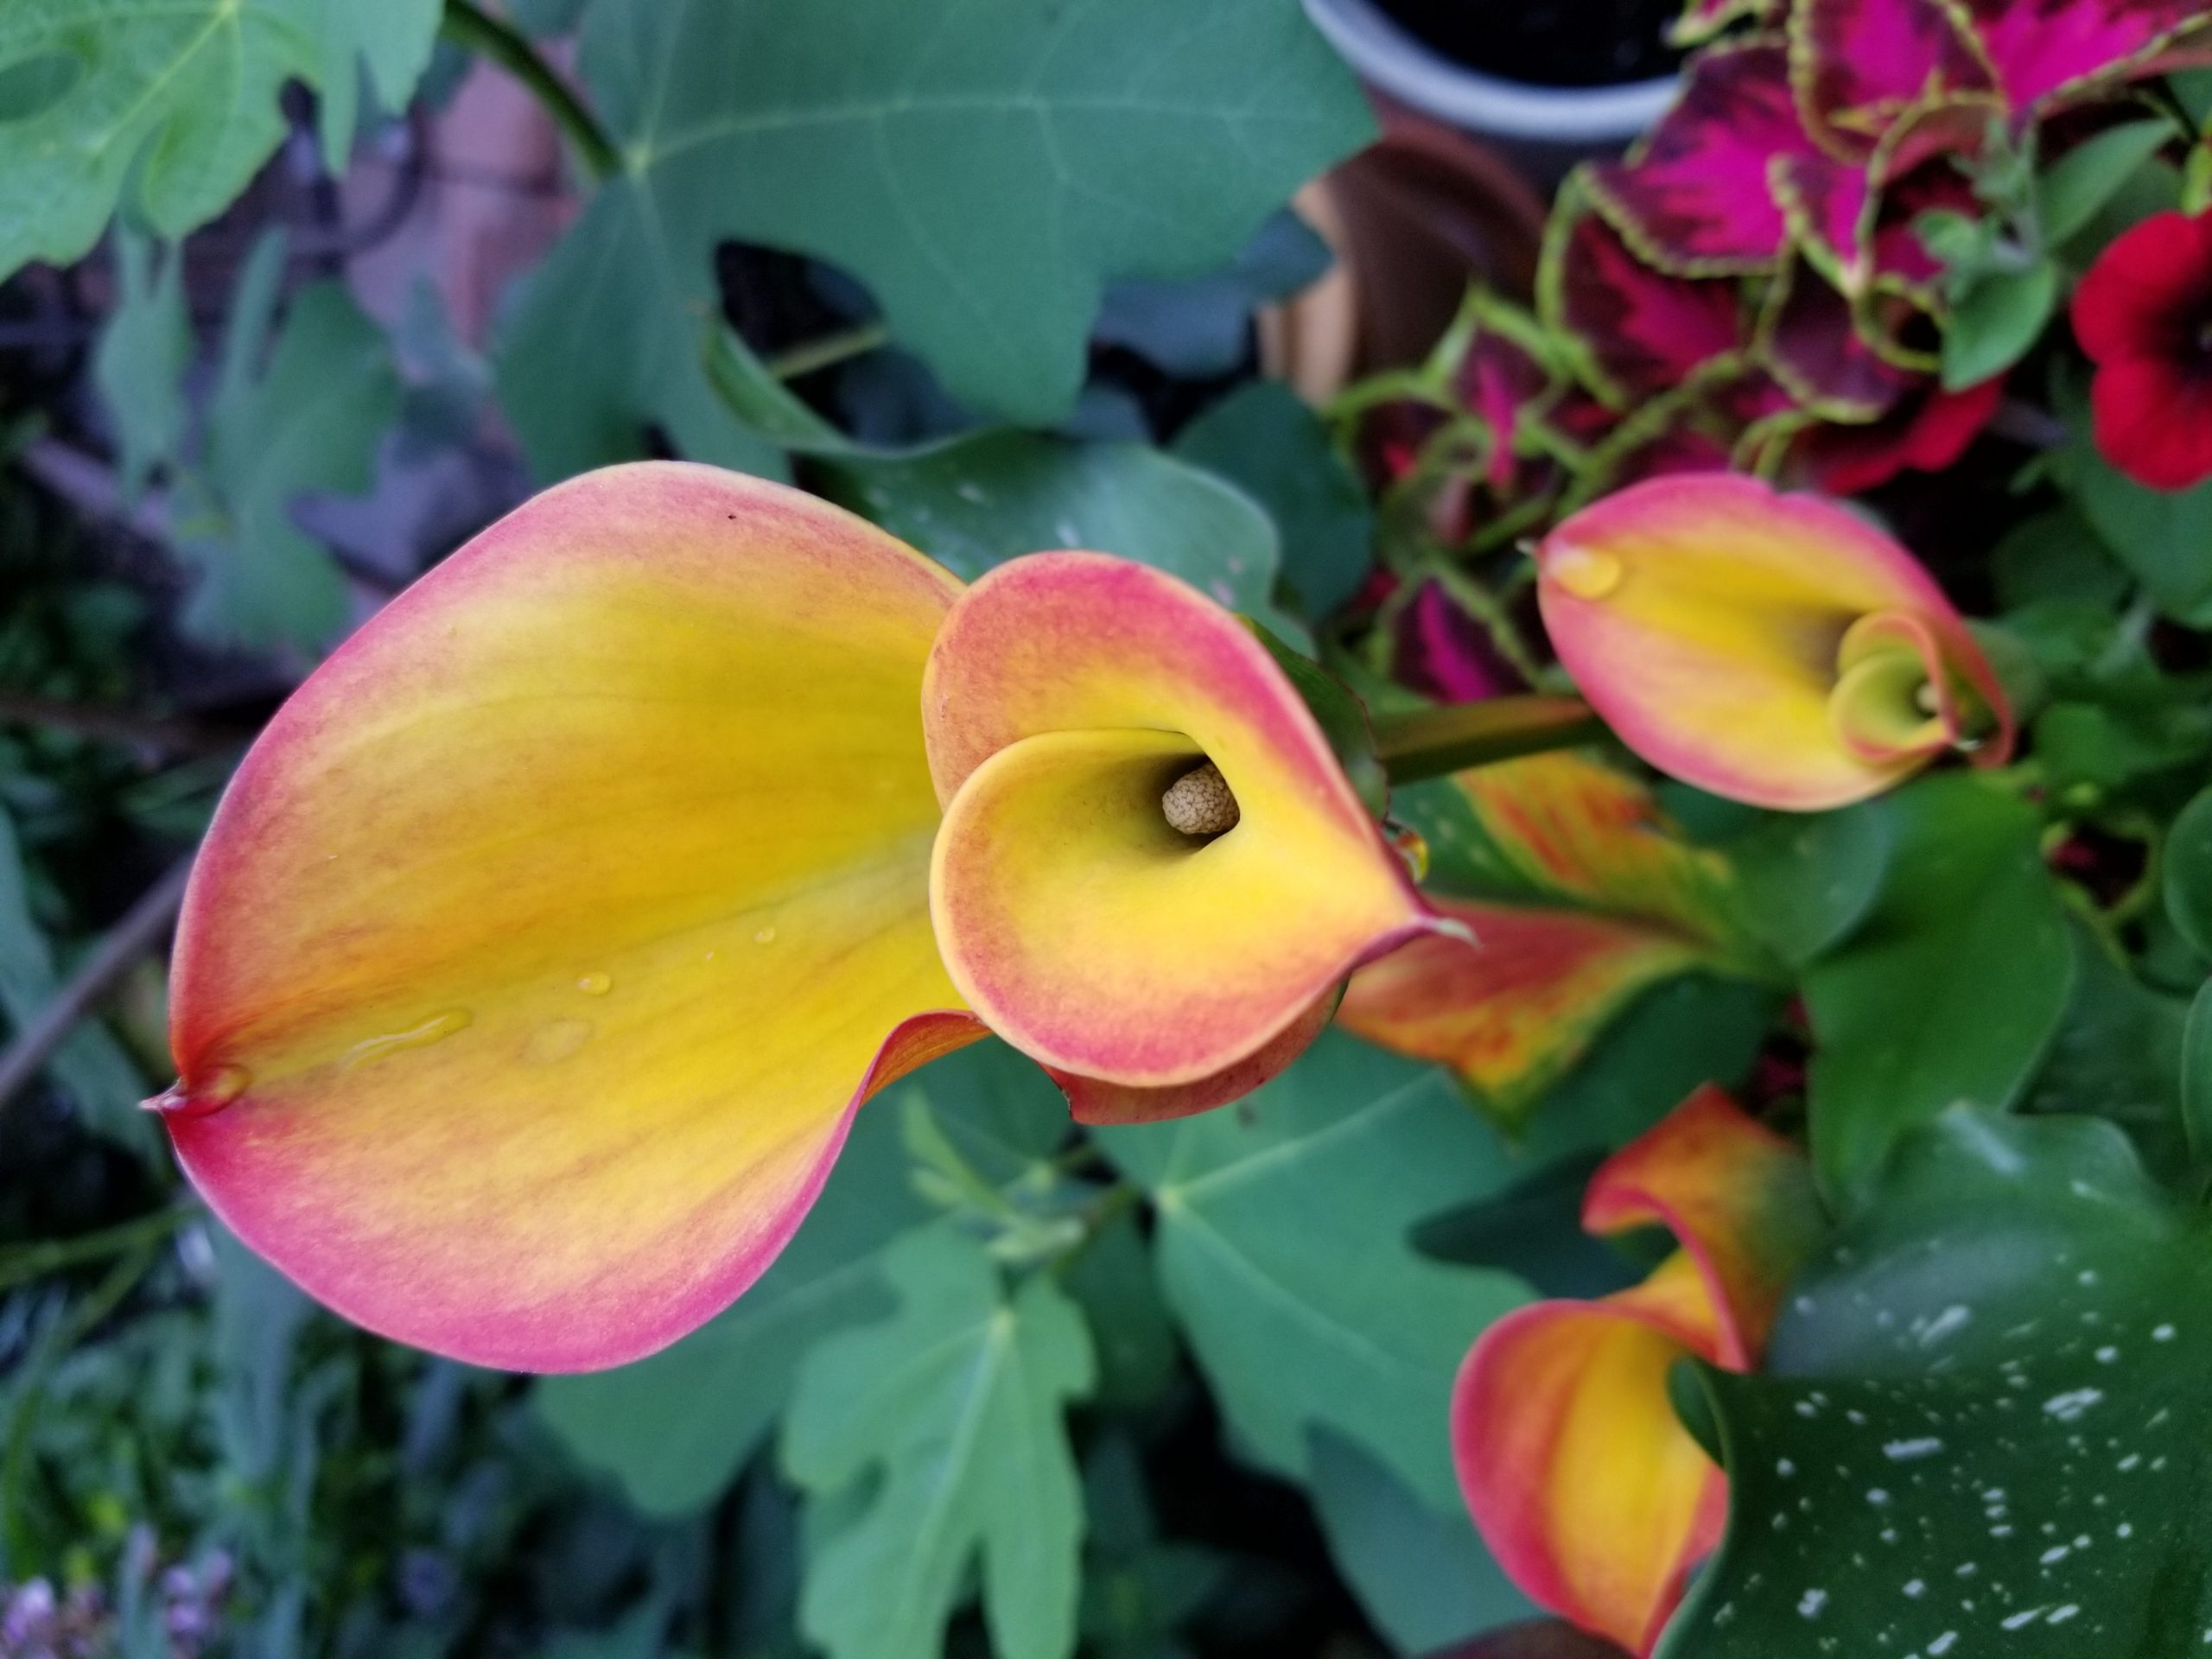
(920, 1399)
(1422, 1572)
(936, 1435)
(977, 501)
(297, 410)
(1265, 440)
(1987, 1436)
(585, 394)
(168, 107)
(1284, 1244)
(983, 165)
(140, 362)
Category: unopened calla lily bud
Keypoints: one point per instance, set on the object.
(547, 940)
(1771, 648)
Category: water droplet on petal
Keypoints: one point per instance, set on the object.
(765, 936)
(1411, 846)
(221, 1086)
(1582, 573)
(595, 984)
(557, 1039)
(435, 1029)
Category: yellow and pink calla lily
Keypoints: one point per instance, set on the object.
(544, 946)
(1593, 1497)
(1772, 648)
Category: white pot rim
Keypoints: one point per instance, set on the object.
(1411, 72)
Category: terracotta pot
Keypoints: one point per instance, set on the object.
(1413, 219)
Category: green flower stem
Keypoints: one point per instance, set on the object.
(470, 27)
(1110, 1206)
(809, 355)
(111, 725)
(1512, 526)
(1431, 743)
(139, 931)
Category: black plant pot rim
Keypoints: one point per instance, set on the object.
(1390, 59)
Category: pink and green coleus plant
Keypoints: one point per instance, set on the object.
(1827, 129)
(1751, 287)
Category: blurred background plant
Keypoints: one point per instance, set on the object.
(298, 295)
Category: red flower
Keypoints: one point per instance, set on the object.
(2144, 315)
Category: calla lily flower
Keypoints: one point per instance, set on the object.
(1592, 1495)
(547, 940)
(1771, 648)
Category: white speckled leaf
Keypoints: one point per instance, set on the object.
(1989, 1434)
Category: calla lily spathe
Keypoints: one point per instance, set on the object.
(544, 945)
(1772, 648)
(1592, 1495)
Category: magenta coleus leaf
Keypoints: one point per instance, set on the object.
(1811, 342)
(1925, 431)
(1702, 19)
(1826, 203)
(1853, 220)
(1694, 198)
(1858, 64)
(1646, 331)
(1899, 261)
(2051, 51)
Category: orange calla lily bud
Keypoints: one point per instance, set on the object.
(1772, 648)
(545, 942)
(1593, 1497)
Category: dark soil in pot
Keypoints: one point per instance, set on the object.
(1547, 42)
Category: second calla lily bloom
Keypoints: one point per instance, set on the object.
(546, 941)
(1593, 1497)
(1772, 648)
